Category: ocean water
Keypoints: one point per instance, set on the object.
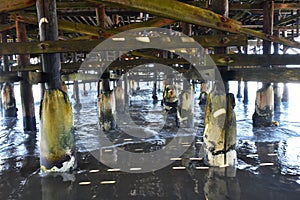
(268, 158)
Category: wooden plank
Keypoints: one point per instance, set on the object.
(9, 5)
(6, 27)
(275, 75)
(287, 6)
(88, 45)
(287, 19)
(255, 60)
(258, 7)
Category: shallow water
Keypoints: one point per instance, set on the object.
(268, 158)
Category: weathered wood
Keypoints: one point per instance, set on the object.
(29, 121)
(268, 20)
(286, 6)
(88, 45)
(9, 77)
(183, 12)
(285, 20)
(75, 5)
(258, 6)
(255, 60)
(57, 152)
(8, 5)
(264, 107)
(48, 30)
(6, 27)
(275, 75)
(63, 25)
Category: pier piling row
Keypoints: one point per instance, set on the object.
(52, 38)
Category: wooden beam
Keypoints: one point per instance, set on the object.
(275, 75)
(183, 12)
(63, 25)
(285, 20)
(255, 60)
(12, 5)
(6, 27)
(258, 7)
(287, 6)
(88, 45)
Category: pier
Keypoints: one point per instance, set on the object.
(182, 58)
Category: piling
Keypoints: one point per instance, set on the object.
(245, 100)
(186, 108)
(239, 94)
(29, 121)
(285, 93)
(264, 106)
(277, 96)
(203, 94)
(220, 130)
(106, 104)
(8, 97)
(77, 105)
(57, 143)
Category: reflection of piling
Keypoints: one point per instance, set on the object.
(264, 106)
(220, 130)
(57, 141)
(221, 184)
(285, 94)
(58, 186)
(29, 122)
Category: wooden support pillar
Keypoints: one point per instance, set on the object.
(277, 96)
(154, 92)
(264, 106)
(126, 92)
(106, 104)
(264, 103)
(8, 96)
(203, 94)
(239, 94)
(77, 105)
(245, 100)
(132, 87)
(277, 91)
(120, 97)
(221, 7)
(29, 121)
(100, 16)
(220, 130)
(57, 127)
(285, 93)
